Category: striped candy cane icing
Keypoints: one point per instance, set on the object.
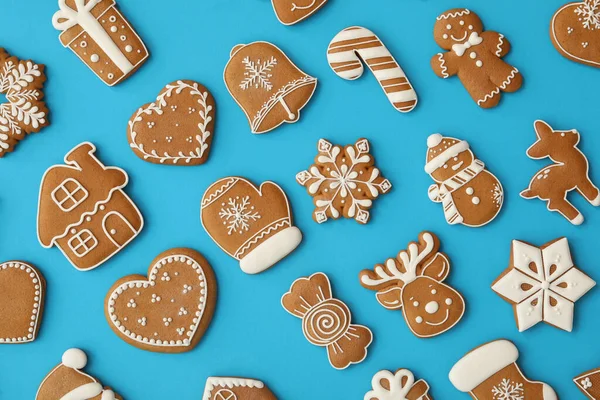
(355, 43)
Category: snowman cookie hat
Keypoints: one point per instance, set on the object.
(441, 149)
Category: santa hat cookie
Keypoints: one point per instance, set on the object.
(441, 149)
(223, 388)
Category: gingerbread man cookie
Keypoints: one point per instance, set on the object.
(398, 386)
(575, 31)
(475, 56)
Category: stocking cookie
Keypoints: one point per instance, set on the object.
(168, 311)
(176, 129)
(22, 292)
(469, 193)
(589, 383)
(570, 171)
(24, 111)
(413, 282)
(475, 56)
(67, 382)
(355, 45)
(575, 31)
(267, 85)
(343, 181)
(84, 211)
(290, 12)
(490, 372)
(222, 388)
(543, 284)
(326, 321)
(252, 225)
(398, 386)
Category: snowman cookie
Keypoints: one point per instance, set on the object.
(470, 194)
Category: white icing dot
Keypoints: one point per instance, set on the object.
(113, 231)
(462, 22)
(112, 18)
(113, 28)
(469, 191)
(448, 26)
(473, 55)
(445, 36)
(475, 200)
(433, 291)
(128, 48)
(449, 301)
(419, 320)
(416, 304)
(479, 63)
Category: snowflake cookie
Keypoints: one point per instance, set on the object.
(543, 284)
(575, 32)
(25, 111)
(343, 181)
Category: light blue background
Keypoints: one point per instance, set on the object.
(251, 335)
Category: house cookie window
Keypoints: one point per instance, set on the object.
(82, 242)
(69, 194)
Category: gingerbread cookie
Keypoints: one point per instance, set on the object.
(475, 56)
(413, 282)
(168, 311)
(398, 386)
(176, 129)
(22, 292)
(290, 12)
(222, 388)
(575, 31)
(267, 85)
(343, 181)
(67, 382)
(84, 211)
(25, 110)
(543, 284)
(569, 171)
(253, 225)
(490, 372)
(326, 321)
(101, 37)
(356, 44)
(589, 383)
(469, 193)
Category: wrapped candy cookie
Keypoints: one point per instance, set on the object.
(398, 386)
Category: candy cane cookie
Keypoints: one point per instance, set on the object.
(355, 43)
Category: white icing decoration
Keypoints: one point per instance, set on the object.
(94, 58)
(213, 383)
(128, 48)
(461, 48)
(257, 74)
(238, 214)
(399, 385)
(74, 358)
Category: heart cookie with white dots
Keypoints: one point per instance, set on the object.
(168, 311)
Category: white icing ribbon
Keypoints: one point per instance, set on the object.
(67, 17)
(473, 40)
(84, 392)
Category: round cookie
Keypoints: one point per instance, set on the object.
(575, 32)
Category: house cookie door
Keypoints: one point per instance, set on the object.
(118, 229)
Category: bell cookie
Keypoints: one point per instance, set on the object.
(575, 31)
(67, 382)
(101, 37)
(24, 112)
(413, 282)
(343, 181)
(490, 372)
(569, 171)
(475, 56)
(290, 12)
(398, 386)
(326, 321)
(469, 193)
(542, 284)
(84, 211)
(168, 311)
(22, 293)
(355, 45)
(224, 388)
(267, 85)
(589, 383)
(252, 224)
(177, 128)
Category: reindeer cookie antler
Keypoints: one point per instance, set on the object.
(413, 282)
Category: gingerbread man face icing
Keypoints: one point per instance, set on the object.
(575, 32)
(290, 12)
(475, 56)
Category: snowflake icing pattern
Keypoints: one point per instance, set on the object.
(257, 74)
(508, 390)
(237, 214)
(589, 14)
(343, 181)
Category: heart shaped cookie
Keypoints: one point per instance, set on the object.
(176, 129)
(22, 291)
(169, 311)
(575, 32)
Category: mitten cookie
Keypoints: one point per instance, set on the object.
(67, 382)
(470, 194)
(343, 181)
(252, 225)
(326, 321)
(398, 386)
(490, 372)
(176, 129)
(570, 171)
(267, 85)
(543, 284)
(168, 311)
(575, 31)
(413, 282)
(22, 293)
(222, 388)
(101, 37)
(84, 211)
(290, 12)
(589, 383)
(475, 56)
